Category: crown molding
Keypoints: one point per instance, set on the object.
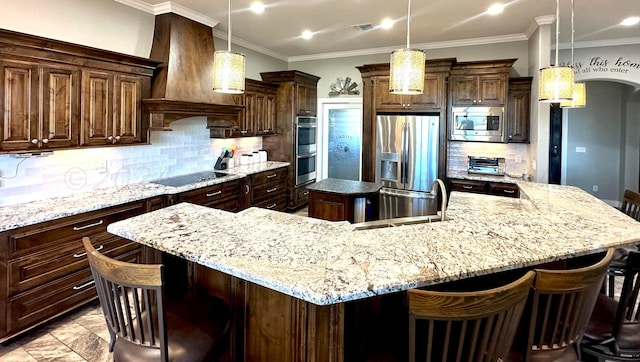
(170, 7)
(243, 43)
(602, 43)
(423, 46)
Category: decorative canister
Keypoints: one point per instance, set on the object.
(244, 159)
(263, 155)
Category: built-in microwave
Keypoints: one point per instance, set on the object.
(480, 124)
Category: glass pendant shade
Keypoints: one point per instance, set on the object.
(556, 84)
(406, 74)
(579, 97)
(228, 72)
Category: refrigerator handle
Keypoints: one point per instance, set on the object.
(405, 150)
(403, 168)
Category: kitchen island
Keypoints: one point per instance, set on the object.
(296, 276)
(337, 200)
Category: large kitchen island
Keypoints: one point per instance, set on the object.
(295, 283)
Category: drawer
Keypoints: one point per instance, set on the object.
(269, 190)
(208, 195)
(468, 186)
(278, 203)
(270, 176)
(40, 268)
(232, 205)
(504, 189)
(55, 297)
(302, 195)
(34, 239)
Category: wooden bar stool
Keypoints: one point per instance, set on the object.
(613, 332)
(558, 311)
(465, 326)
(144, 326)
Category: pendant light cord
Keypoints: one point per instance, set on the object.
(229, 30)
(408, 22)
(572, 32)
(557, 29)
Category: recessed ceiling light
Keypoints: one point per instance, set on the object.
(495, 9)
(307, 34)
(630, 21)
(257, 7)
(386, 23)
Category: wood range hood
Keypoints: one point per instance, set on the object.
(182, 86)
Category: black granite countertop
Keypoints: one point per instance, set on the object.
(345, 187)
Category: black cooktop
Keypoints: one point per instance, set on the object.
(189, 179)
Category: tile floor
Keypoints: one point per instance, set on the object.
(77, 336)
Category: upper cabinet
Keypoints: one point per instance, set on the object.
(431, 98)
(27, 86)
(518, 110)
(480, 83)
(259, 115)
(60, 95)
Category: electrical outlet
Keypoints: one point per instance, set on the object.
(581, 149)
(595, 188)
(534, 165)
(518, 159)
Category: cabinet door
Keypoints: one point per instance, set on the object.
(492, 89)
(518, 111)
(306, 99)
(251, 114)
(383, 99)
(431, 97)
(19, 94)
(463, 90)
(60, 106)
(127, 100)
(266, 122)
(97, 107)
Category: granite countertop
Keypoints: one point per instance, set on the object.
(29, 213)
(345, 187)
(324, 262)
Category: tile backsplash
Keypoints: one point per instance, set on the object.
(513, 153)
(186, 149)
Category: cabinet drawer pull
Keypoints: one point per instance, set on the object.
(89, 283)
(215, 193)
(271, 206)
(272, 190)
(305, 193)
(272, 176)
(83, 254)
(467, 187)
(509, 191)
(247, 189)
(78, 228)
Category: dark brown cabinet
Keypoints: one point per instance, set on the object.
(225, 196)
(485, 187)
(259, 115)
(45, 270)
(431, 98)
(60, 95)
(29, 85)
(481, 90)
(296, 96)
(518, 110)
(268, 189)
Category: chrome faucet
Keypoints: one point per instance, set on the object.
(443, 190)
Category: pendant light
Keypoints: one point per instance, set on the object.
(228, 67)
(406, 74)
(556, 82)
(579, 88)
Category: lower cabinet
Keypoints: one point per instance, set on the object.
(225, 196)
(45, 271)
(485, 187)
(268, 189)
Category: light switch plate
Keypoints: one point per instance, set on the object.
(581, 150)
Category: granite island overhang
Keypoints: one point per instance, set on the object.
(324, 263)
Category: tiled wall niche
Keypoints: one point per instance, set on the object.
(186, 149)
(514, 154)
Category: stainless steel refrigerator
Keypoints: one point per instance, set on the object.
(407, 164)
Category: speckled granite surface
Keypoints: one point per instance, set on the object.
(464, 175)
(325, 263)
(345, 187)
(15, 216)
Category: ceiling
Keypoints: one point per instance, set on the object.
(434, 23)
